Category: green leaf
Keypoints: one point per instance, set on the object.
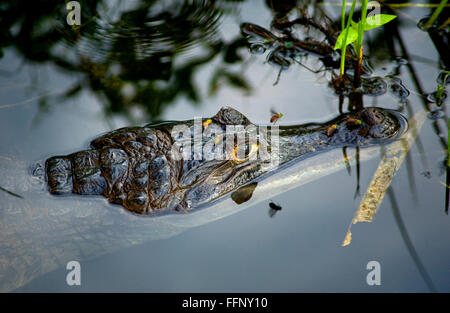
(377, 20)
(352, 36)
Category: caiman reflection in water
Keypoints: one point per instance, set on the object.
(146, 170)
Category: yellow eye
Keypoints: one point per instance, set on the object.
(206, 123)
(331, 129)
(254, 148)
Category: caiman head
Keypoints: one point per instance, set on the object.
(146, 170)
(151, 169)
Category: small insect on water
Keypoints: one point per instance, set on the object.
(206, 123)
(274, 208)
(353, 121)
(275, 116)
(331, 129)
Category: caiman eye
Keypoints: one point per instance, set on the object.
(249, 151)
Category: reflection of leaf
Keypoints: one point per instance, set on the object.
(131, 56)
(72, 91)
(214, 85)
(236, 80)
(230, 54)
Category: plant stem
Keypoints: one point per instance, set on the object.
(361, 24)
(359, 42)
(344, 48)
(441, 88)
(343, 15)
(448, 145)
(435, 14)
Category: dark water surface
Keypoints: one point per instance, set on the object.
(172, 60)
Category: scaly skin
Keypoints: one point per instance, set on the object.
(142, 169)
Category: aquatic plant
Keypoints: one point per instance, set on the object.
(353, 32)
(343, 39)
(435, 14)
(440, 93)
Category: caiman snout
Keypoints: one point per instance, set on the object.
(382, 124)
(59, 175)
(79, 173)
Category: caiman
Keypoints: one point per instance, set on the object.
(146, 170)
(40, 232)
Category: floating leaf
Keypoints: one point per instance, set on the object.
(352, 36)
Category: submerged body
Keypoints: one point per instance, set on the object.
(149, 169)
(40, 232)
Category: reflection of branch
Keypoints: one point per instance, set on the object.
(409, 245)
(10, 192)
(447, 189)
(357, 173)
(416, 81)
(4, 106)
(385, 173)
(426, 104)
